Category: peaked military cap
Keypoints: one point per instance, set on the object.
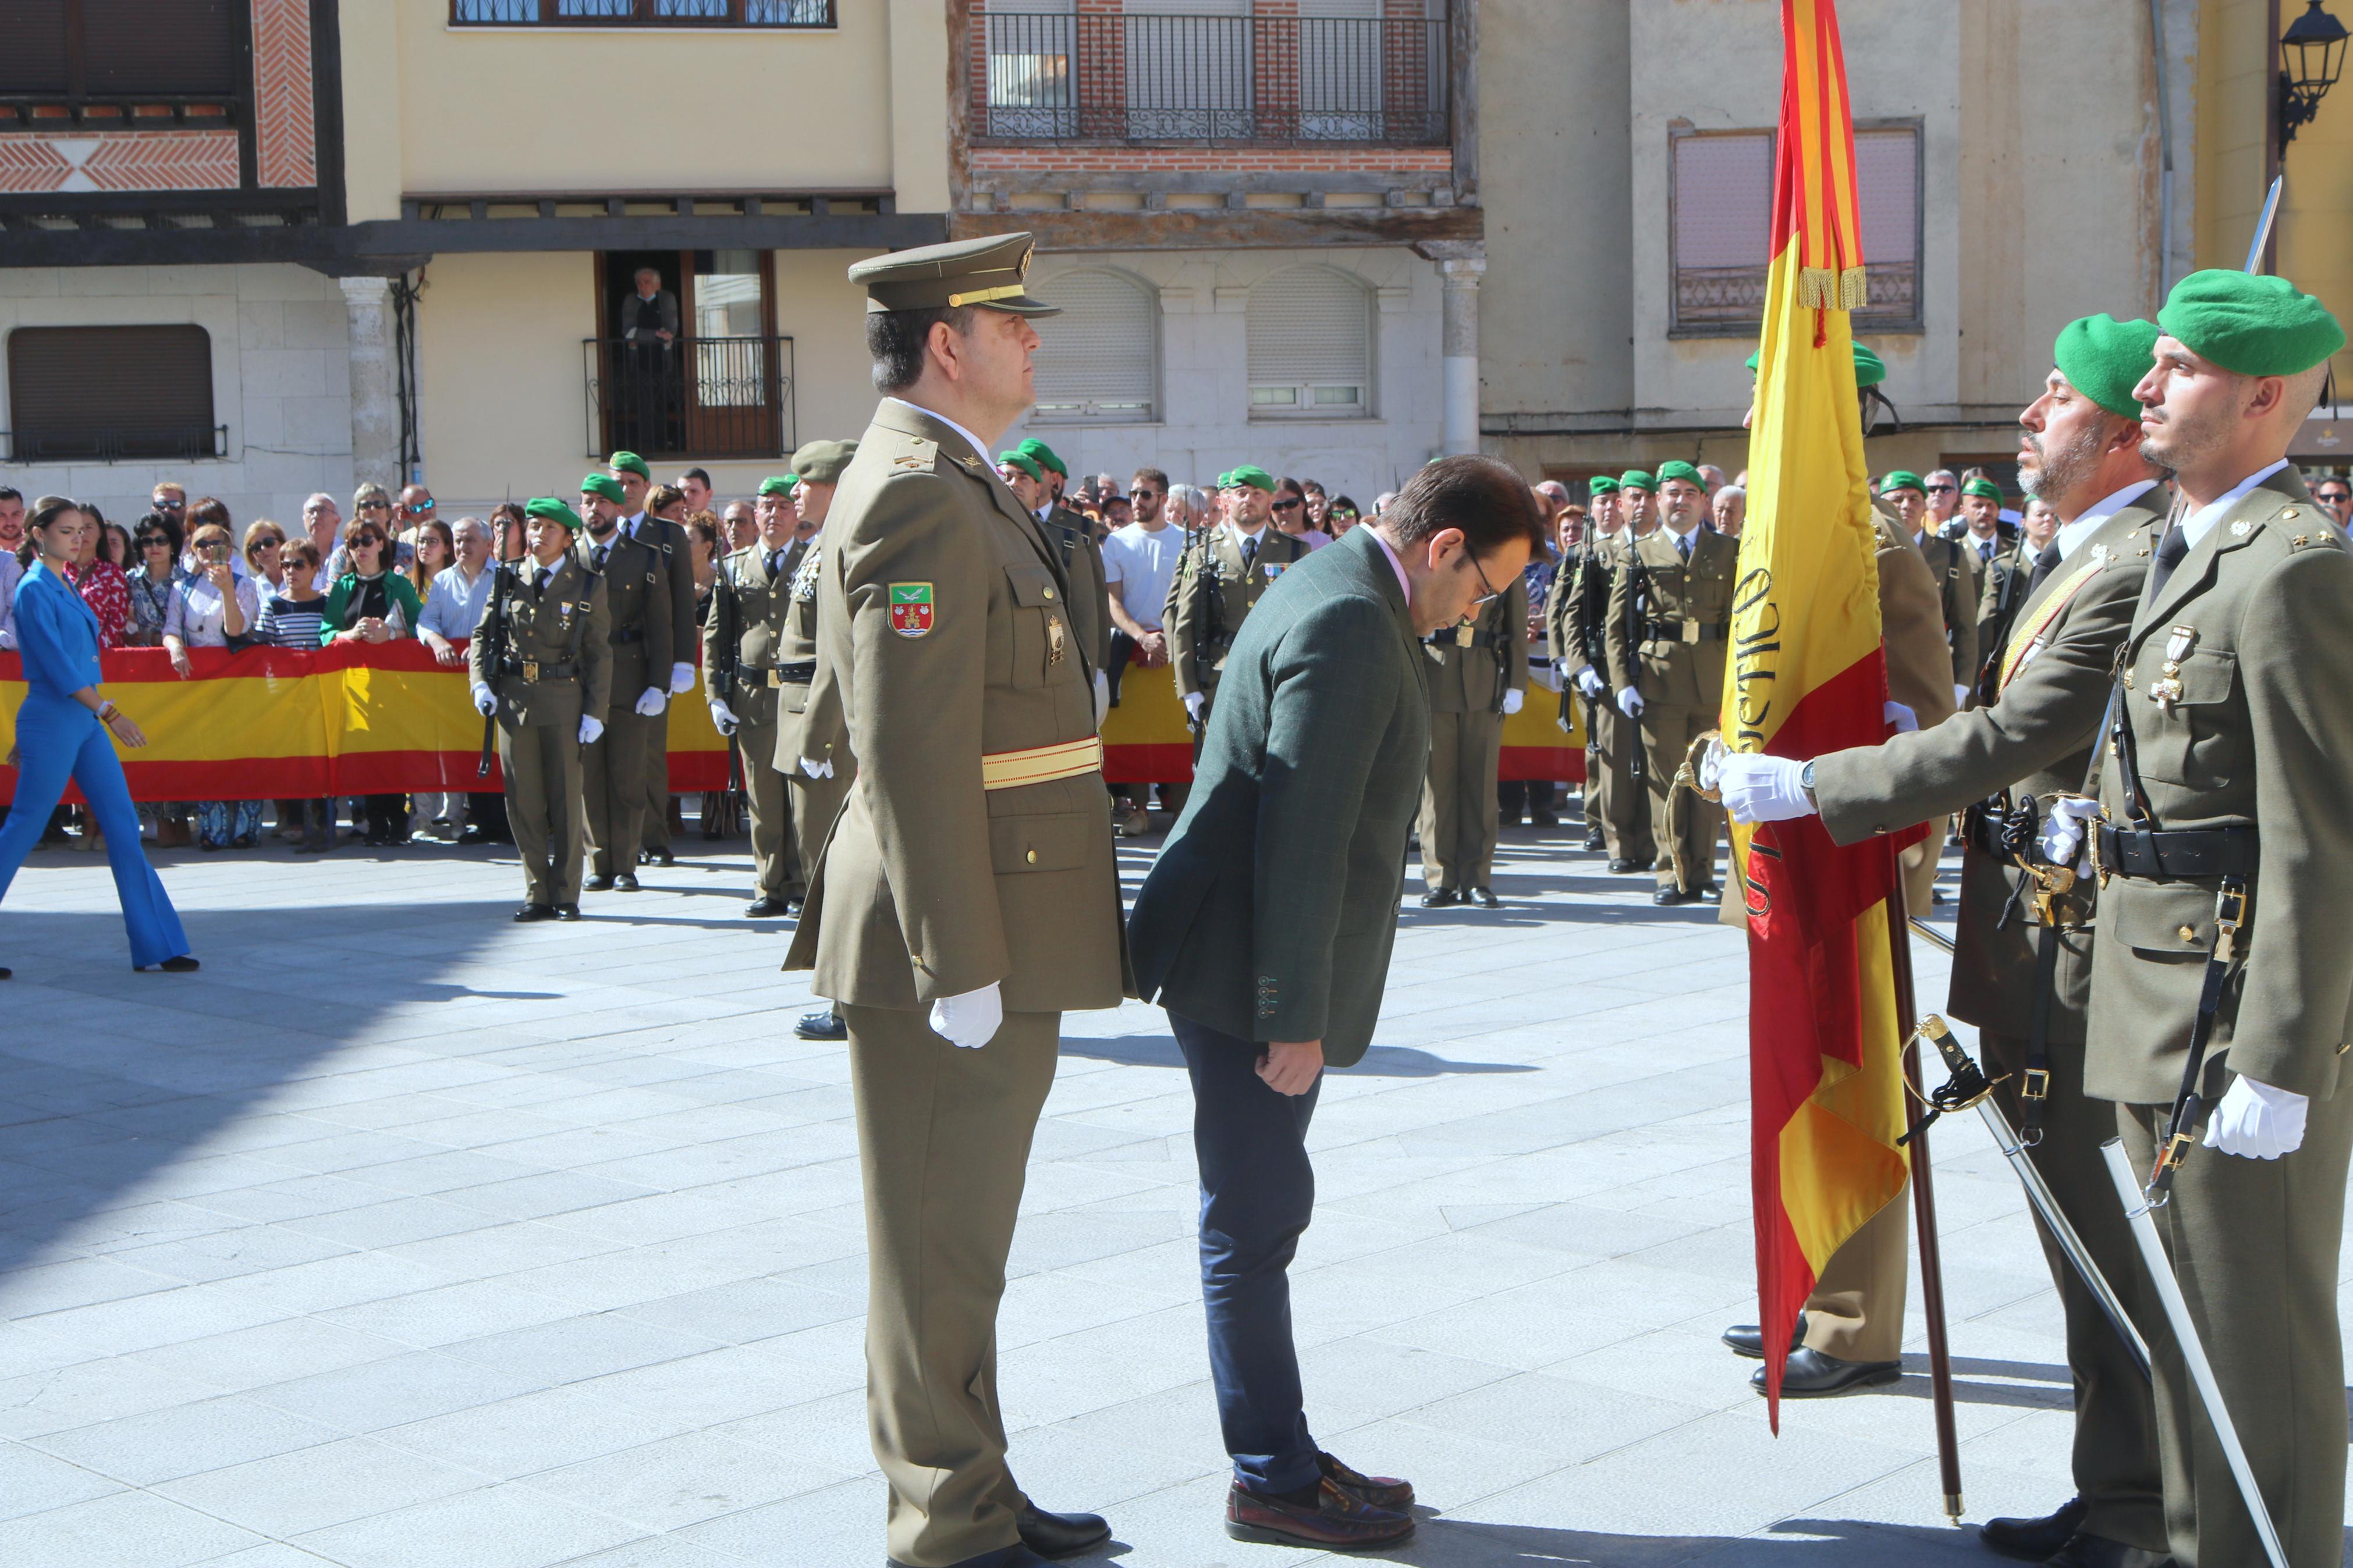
(779, 484)
(992, 271)
(821, 462)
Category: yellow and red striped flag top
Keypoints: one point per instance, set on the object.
(1808, 677)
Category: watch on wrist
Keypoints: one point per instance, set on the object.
(1806, 780)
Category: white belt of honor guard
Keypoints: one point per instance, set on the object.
(1041, 764)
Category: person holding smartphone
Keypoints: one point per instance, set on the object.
(206, 610)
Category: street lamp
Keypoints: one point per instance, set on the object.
(2313, 52)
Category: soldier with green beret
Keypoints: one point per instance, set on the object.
(1220, 580)
(638, 604)
(1907, 495)
(1071, 533)
(966, 895)
(743, 671)
(1568, 616)
(540, 663)
(1635, 487)
(1616, 811)
(779, 485)
(670, 541)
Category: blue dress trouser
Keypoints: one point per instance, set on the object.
(1258, 1193)
(57, 738)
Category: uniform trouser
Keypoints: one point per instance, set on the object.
(58, 739)
(1258, 1193)
(1856, 1311)
(1610, 790)
(815, 803)
(654, 824)
(545, 766)
(1457, 799)
(2254, 1244)
(776, 870)
(2116, 1463)
(613, 780)
(1667, 730)
(1917, 868)
(942, 1146)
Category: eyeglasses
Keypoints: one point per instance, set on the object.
(1492, 593)
(1942, 489)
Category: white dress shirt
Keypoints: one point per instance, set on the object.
(2201, 522)
(2072, 534)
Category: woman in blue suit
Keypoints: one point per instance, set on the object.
(65, 728)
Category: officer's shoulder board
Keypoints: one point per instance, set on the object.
(902, 453)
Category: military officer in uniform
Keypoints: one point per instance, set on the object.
(744, 670)
(2033, 738)
(2009, 577)
(1614, 797)
(670, 541)
(1219, 581)
(966, 895)
(1907, 497)
(638, 604)
(1670, 613)
(1479, 675)
(812, 741)
(1082, 564)
(540, 663)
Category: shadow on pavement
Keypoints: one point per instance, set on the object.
(1381, 1061)
(1444, 1541)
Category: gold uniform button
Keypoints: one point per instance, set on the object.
(1030, 856)
(1049, 592)
(2187, 933)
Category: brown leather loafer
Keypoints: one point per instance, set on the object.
(1382, 1491)
(1338, 1521)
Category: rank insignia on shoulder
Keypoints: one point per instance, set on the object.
(920, 451)
(2243, 528)
(911, 609)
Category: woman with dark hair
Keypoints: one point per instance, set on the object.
(373, 603)
(101, 581)
(508, 530)
(65, 729)
(1291, 515)
(437, 549)
(114, 543)
(152, 578)
(1342, 516)
(704, 540)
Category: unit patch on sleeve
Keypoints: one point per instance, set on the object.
(911, 608)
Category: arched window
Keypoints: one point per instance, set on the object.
(1311, 346)
(1099, 359)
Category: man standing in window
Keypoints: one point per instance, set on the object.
(648, 328)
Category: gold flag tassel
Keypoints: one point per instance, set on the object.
(1853, 292)
(1817, 288)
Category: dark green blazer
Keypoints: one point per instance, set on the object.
(1272, 911)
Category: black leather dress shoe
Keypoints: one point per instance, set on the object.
(1748, 1338)
(2032, 1539)
(1337, 1520)
(1484, 898)
(1441, 899)
(661, 857)
(1594, 841)
(567, 911)
(1810, 1374)
(827, 1025)
(599, 884)
(536, 912)
(1050, 1534)
(767, 908)
(1667, 897)
(1382, 1491)
(1623, 867)
(627, 882)
(2098, 1552)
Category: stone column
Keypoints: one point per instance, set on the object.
(375, 400)
(1459, 333)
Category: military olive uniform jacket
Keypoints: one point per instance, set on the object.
(1687, 606)
(943, 616)
(1212, 594)
(1272, 911)
(637, 603)
(2035, 739)
(2259, 619)
(1957, 586)
(671, 542)
(2002, 594)
(568, 624)
(1474, 678)
(757, 620)
(1073, 538)
(1910, 623)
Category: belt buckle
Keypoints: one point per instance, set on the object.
(1691, 632)
(531, 669)
(2035, 1084)
(775, 678)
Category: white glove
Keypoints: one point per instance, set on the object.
(1961, 695)
(1629, 703)
(590, 728)
(1758, 788)
(681, 680)
(1560, 669)
(2063, 832)
(2256, 1121)
(1193, 702)
(1512, 699)
(722, 718)
(823, 770)
(1588, 681)
(484, 702)
(1102, 697)
(651, 701)
(1903, 718)
(969, 1020)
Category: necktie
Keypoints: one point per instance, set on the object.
(2044, 565)
(1682, 545)
(2170, 551)
(539, 587)
(602, 550)
(1249, 555)
(1985, 550)
(775, 564)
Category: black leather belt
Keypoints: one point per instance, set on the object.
(799, 672)
(627, 634)
(2176, 856)
(1682, 632)
(541, 670)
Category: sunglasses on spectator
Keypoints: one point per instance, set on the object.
(1292, 505)
(1942, 489)
(418, 506)
(367, 539)
(375, 506)
(163, 503)
(153, 541)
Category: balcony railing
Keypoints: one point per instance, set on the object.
(1709, 300)
(1099, 78)
(113, 443)
(690, 397)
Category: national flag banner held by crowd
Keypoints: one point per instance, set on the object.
(1808, 675)
(270, 724)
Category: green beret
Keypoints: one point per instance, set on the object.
(628, 463)
(821, 462)
(1636, 480)
(2250, 324)
(779, 484)
(1902, 479)
(1983, 487)
(604, 485)
(1869, 370)
(1679, 469)
(549, 506)
(1225, 481)
(1601, 485)
(1021, 461)
(1043, 456)
(1250, 474)
(2104, 359)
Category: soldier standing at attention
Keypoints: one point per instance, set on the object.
(967, 895)
(668, 540)
(637, 603)
(540, 661)
(1481, 676)
(812, 741)
(1082, 564)
(1219, 582)
(1907, 497)
(1670, 614)
(1613, 799)
(743, 674)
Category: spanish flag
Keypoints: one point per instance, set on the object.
(1807, 676)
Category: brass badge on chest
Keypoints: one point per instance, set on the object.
(2166, 691)
(1055, 638)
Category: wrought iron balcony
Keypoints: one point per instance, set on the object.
(1730, 300)
(78, 443)
(690, 397)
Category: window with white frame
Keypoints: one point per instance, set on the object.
(1311, 346)
(1099, 359)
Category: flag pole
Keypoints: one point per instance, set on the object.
(1924, 1205)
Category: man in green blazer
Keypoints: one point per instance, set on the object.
(1265, 927)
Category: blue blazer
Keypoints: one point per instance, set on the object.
(1272, 911)
(57, 634)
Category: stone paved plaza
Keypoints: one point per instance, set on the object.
(406, 1237)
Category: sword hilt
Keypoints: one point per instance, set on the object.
(1965, 1084)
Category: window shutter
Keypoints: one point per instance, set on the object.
(109, 391)
(160, 45)
(1722, 229)
(1310, 327)
(36, 31)
(1097, 358)
(1887, 195)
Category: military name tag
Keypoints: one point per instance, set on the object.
(911, 609)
